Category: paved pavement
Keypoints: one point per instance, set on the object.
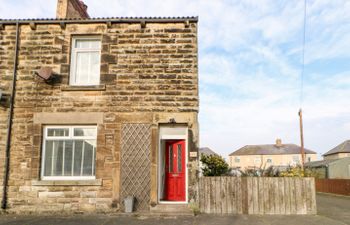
(334, 207)
(198, 220)
(332, 210)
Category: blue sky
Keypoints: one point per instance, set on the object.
(250, 65)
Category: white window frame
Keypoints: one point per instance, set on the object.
(237, 159)
(69, 137)
(257, 160)
(268, 159)
(75, 51)
(296, 159)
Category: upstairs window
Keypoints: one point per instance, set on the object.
(85, 61)
(237, 159)
(69, 152)
(269, 160)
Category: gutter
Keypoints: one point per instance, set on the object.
(102, 20)
(9, 124)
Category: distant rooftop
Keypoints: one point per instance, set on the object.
(342, 148)
(324, 163)
(271, 149)
(206, 151)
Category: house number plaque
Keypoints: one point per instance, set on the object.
(193, 154)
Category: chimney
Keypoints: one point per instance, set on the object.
(278, 142)
(68, 9)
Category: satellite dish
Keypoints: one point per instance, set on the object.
(46, 73)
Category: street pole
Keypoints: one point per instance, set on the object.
(302, 151)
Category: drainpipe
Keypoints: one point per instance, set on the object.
(9, 124)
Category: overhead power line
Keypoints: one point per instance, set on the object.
(302, 151)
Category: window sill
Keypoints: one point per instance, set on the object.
(101, 87)
(97, 182)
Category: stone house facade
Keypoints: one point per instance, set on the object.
(118, 120)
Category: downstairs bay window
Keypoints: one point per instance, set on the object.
(69, 152)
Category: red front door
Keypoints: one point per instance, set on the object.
(175, 176)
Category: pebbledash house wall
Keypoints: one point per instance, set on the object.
(148, 75)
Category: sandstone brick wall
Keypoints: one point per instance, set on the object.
(148, 75)
(7, 42)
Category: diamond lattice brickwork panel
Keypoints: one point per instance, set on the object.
(136, 164)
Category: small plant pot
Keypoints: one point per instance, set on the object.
(129, 204)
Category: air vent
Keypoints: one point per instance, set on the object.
(4, 98)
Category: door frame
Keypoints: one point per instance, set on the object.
(165, 137)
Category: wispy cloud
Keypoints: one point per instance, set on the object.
(250, 63)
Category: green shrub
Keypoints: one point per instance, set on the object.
(298, 172)
(260, 172)
(275, 172)
(214, 165)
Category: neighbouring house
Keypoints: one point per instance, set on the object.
(206, 151)
(98, 109)
(331, 168)
(340, 151)
(264, 156)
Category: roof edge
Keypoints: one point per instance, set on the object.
(102, 20)
(334, 153)
(313, 153)
(237, 152)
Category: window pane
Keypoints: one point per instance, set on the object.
(57, 158)
(296, 159)
(94, 160)
(171, 158)
(87, 43)
(87, 68)
(48, 158)
(82, 68)
(57, 132)
(78, 150)
(94, 70)
(88, 156)
(179, 158)
(68, 156)
(84, 132)
(95, 44)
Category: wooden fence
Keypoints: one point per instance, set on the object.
(257, 195)
(334, 186)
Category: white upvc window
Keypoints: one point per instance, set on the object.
(85, 61)
(69, 153)
(268, 160)
(257, 160)
(237, 159)
(296, 159)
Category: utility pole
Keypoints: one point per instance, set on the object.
(302, 151)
